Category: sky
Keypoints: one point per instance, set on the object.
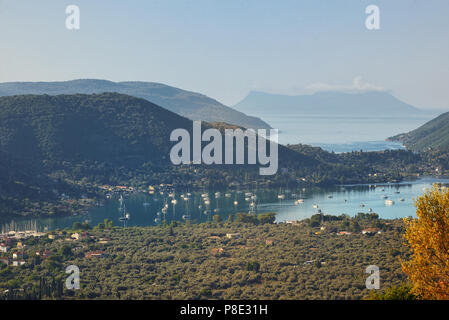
(225, 49)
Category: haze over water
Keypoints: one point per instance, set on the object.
(345, 133)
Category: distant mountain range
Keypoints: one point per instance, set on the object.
(192, 105)
(432, 135)
(327, 103)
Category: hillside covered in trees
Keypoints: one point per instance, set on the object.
(322, 258)
(192, 105)
(432, 135)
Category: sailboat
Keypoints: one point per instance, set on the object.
(126, 215)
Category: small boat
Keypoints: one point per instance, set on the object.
(300, 200)
(315, 206)
(186, 217)
(248, 194)
(146, 204)
(281, 196)
(389, 202)
(402, 199)
(174, 201)
(362, 205)
(217, 194)
(126, 217)
(157, 219)
(330, 196)
(236, 203)
(384, 197)
(227, 195)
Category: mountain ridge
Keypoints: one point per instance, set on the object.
(370, 103)
(192, 105)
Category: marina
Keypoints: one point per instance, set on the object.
(388, 200)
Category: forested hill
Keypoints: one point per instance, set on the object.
(116, 129)
(432, 135)
(192, 105)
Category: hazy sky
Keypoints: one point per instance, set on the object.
(226, 48)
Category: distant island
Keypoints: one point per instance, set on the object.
(327, 103)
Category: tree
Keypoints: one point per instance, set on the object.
(402, 292)
(428, 238)
(269, 217)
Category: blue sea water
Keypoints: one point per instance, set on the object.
(144, 208)
(343, 133)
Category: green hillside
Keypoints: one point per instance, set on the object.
(432, 135)
(192, 105)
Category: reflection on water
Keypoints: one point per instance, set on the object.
(288, 204)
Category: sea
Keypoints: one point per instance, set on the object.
(344, 133)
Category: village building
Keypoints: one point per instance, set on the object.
(43, 254)
(4, 260)
(17, 263)
(371, 231)
(217, 251)
(96, 254)
(4, 248)
(19, 255)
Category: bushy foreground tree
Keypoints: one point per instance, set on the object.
(428, 238)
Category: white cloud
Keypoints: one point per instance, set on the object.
(358, 85)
